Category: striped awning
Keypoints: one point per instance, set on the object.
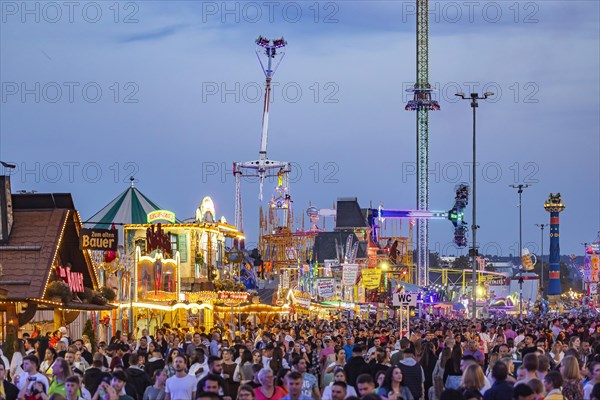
(129, 207)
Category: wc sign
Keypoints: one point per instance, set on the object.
(404, 299)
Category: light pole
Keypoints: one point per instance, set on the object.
(542, 226)
(473, 252)
(520, 188)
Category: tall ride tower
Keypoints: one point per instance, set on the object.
(263, 167)
(422, 104)
(554, 206)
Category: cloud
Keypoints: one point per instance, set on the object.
(154, 35)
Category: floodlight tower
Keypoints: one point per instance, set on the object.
(263, 167)
(422, 104)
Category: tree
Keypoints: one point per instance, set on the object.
(434, 260)
(462, 262)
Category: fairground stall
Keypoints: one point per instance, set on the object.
(46, 279)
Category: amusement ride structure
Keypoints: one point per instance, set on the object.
(279, 245)
(422, 104)
(263, 167)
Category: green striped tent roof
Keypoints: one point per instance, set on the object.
(129, 207)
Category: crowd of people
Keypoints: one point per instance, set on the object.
(439, 359)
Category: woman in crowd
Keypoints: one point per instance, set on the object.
(87, 343)
(79, 362)
(243, 370)
(493, 358)
(473, 379)
(229, 368)
(438, 371)
(575, 343)
(49, 357)
(17, 358)
(392, 387)
(428, 363)
(557, 352)
(452, 372)
(169, 367)
(157, 391)
(160, 342)
(339, 362)
(379, 377)
(572, 387)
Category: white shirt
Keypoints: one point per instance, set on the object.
(195, 367)
(486, 340)
(181, 388)
(28, 380)
(350, 391)
(519, 339)
(587, 390)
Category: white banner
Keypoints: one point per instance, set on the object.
(326, 287)
(349, 274)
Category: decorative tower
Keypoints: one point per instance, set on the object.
(554, 206)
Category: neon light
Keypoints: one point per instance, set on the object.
(161, 215)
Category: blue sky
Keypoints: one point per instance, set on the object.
(338, 109)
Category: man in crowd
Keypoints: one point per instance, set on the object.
(356, 366)
(365, 384)
(530, 367)
(137, 376)
(72, 388)
(61, 370)
(414, 376)
(294, 385)
(310, 386)
(501, 389)
(181, 385)
(87, 356)
(31, 380)
(338, 390)
(594, 369)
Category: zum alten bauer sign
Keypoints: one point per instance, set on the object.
(98, 239)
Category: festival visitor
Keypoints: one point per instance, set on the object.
(572, 387)
(157, 390)
(181, 385)
(268, 390)
(7, 389)
(340, 376)
(393, 387)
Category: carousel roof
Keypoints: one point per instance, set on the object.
(129, 207)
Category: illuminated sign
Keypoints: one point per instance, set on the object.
(73, 279)
(157, 239)
(161, 215)
(233, 296)
(98, 239)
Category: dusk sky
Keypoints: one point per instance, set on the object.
(171, 93)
